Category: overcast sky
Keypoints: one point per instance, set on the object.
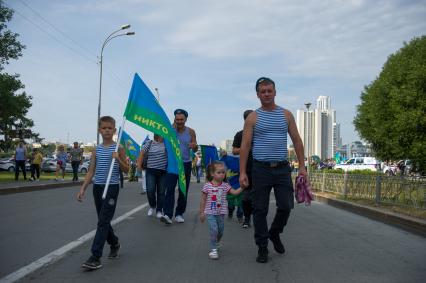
(203, 56)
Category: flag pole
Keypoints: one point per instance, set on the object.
(113, 160)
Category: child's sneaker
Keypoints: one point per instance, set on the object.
(92, 263)
(114, 251)
(150, 211)
(213, 254)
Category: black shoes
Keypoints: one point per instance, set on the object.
(262, 255)
(114, 251)
(246, 223)
(278, 245)
(92, 263)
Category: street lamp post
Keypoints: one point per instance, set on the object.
(108, 39)
(158, 94)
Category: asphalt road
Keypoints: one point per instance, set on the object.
(323, 244)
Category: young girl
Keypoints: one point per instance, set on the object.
(214, 205)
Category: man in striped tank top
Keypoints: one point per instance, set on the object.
(265, 134)
(100, 163)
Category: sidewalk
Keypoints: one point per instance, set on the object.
(27, 186)
(408, 223)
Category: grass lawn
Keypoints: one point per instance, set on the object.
(10, 176)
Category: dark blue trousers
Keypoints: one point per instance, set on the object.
(171, 181)
(265, 178)
(105, 209)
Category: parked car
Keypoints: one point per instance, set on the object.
(49, 165)
(83, 168)
(8, 164)
(359, 163)
(390, 170)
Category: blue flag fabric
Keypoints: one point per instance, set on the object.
(232, 164)
(144, 110)
(208, 154)
(130, 145)
(145, 140)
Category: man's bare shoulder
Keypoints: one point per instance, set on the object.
(251, 118)
(191, 130)
(288, 114)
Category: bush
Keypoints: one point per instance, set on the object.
(340, 171)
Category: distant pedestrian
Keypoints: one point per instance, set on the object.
(36, 159)
(198, 168)
(61, 162)
(100, 164)
(247, 198)
(187, 140)
(20, 159)
(265, 133)
(213, 205)
(76, 157)
(156, 172)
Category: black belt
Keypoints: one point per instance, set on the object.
(272, 164)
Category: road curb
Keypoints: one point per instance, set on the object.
(411, 224)
(38, 187)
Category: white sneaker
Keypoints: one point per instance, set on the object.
(179, 219)
(166, 219)
(213, 254)
(159, 214)
(150, 211)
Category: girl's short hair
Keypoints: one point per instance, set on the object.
(211, 168)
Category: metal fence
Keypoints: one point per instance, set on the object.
(397, 190)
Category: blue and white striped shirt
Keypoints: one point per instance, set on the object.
(157, 155)
(103, 162)
(270, 135)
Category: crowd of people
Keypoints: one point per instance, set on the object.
(262, 147)
(35, 159)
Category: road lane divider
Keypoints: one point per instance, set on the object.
(62, 251)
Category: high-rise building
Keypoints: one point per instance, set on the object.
(318, 129)
(305, 125)
(227, 145)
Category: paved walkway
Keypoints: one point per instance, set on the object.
(324, 244)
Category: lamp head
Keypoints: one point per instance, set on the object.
(125, 26)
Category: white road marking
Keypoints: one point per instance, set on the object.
(59, 253)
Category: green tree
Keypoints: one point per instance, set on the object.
(392, 113)
(15, 103)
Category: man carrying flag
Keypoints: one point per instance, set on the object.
(187, 140)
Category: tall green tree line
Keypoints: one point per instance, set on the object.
(14, 102)
(392, 113)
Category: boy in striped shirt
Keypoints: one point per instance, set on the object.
(100, 163)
